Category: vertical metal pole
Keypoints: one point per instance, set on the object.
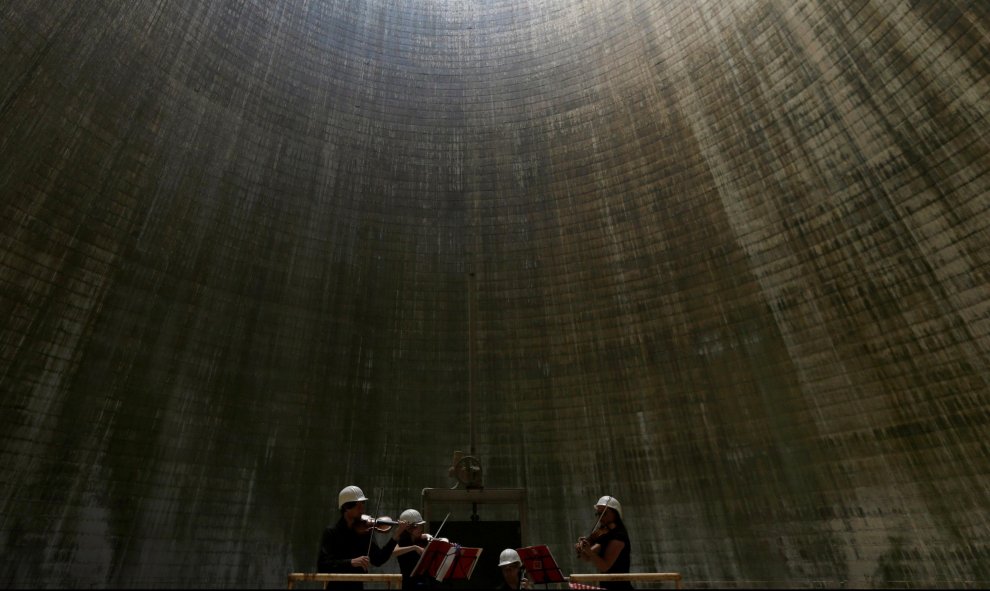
(471, 335)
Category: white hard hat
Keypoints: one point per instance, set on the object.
(609, 501)
(350, 494)
(509, 556)
(412, 517)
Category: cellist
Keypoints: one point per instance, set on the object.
(607, 548)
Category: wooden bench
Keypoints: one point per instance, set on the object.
(388, 579)
(633, 577)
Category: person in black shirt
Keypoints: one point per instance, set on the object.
(409, 549)
(608, 548)
(348, 546)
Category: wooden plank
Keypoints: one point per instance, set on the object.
(589, 579)
(387, 578)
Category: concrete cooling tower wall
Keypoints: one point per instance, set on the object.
(726, 260)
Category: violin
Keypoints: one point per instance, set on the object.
(598, 532)
(380, 524)
(596, 535)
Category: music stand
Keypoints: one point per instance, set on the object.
(540, 565)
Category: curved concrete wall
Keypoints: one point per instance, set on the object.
(729, 264)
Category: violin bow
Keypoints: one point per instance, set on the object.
(371, 536)
(599, 522)
(437, 535)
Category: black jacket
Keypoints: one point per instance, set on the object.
(339, 544)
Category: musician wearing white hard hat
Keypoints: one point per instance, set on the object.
(350, 494)
(410, 547)
(607, 547)
(513, 574)
(348, 546)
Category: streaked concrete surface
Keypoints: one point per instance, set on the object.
(730, 265)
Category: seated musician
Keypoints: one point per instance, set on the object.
(409, 549)
(513, 574)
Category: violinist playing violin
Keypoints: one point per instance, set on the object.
(410, 547)
(607, 548)
(348, 546)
